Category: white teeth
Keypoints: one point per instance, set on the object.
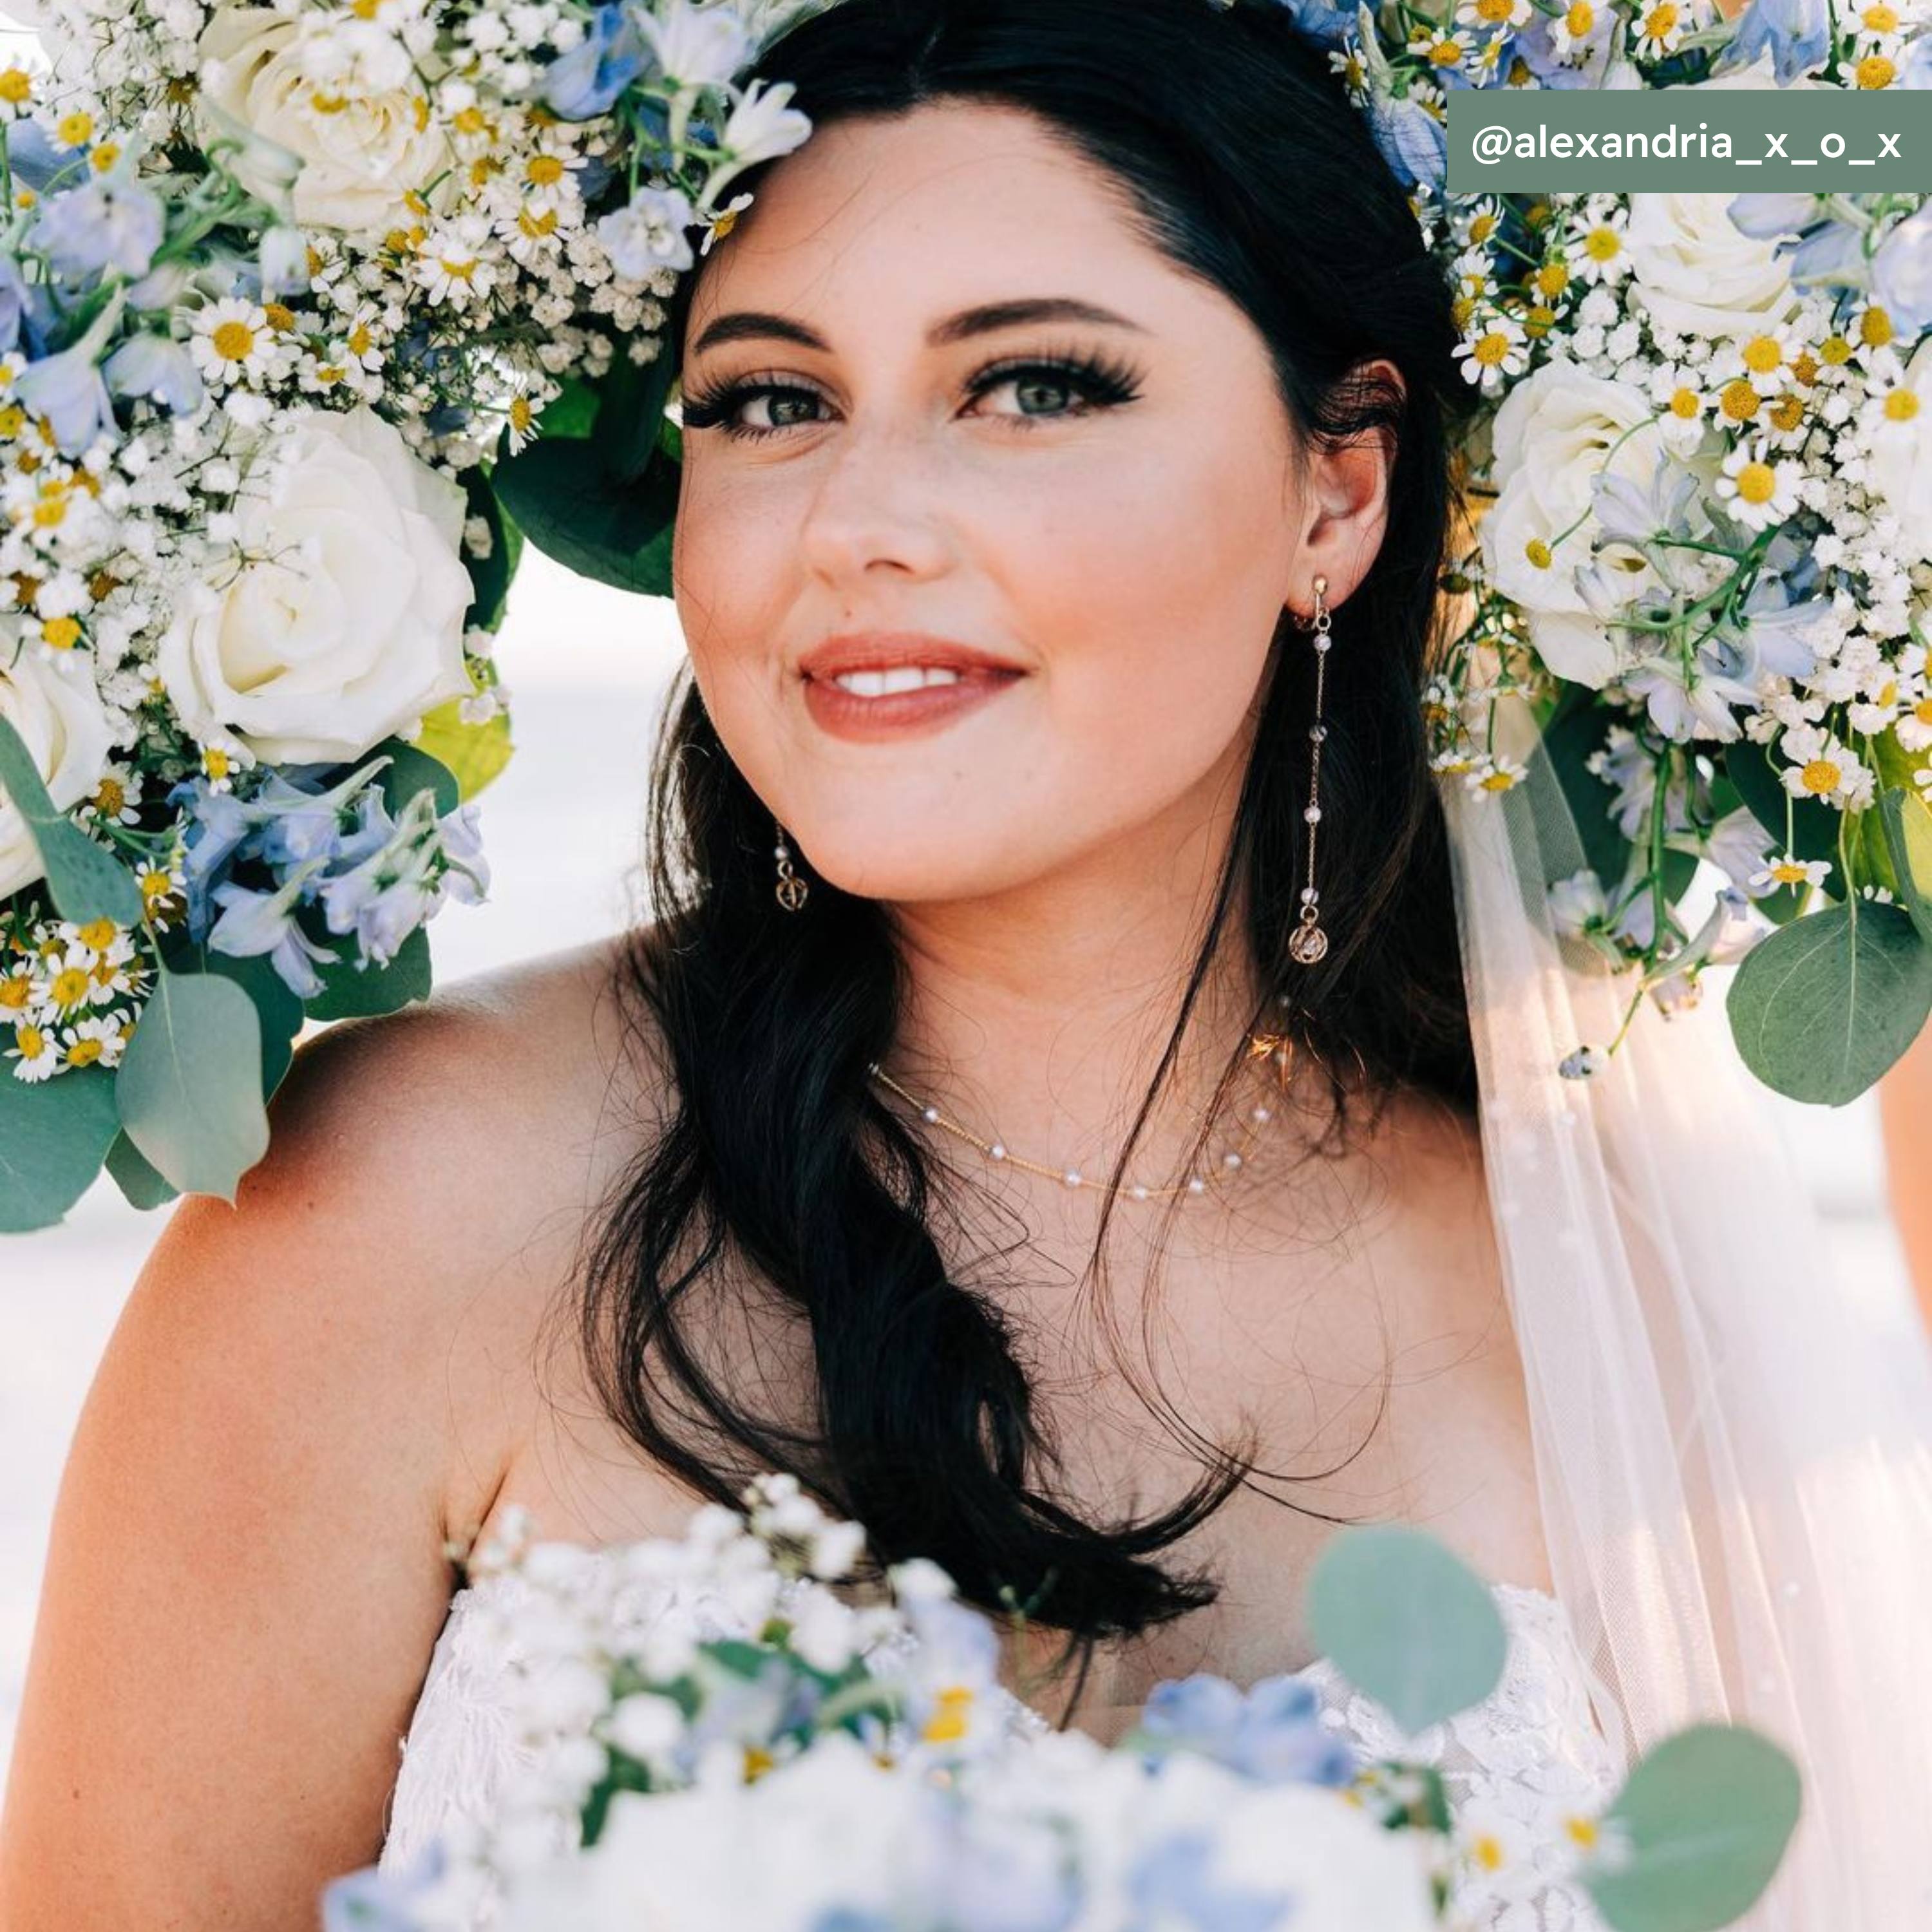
(884, 683)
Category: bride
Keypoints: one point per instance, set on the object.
(1074, 1106)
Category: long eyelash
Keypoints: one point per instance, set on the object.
(1103, 383)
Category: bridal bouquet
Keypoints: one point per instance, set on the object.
(791, 1759)
(287, 289)
(1701, 463)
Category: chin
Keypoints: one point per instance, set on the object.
(926, 859)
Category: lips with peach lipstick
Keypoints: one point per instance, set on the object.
(885, 684)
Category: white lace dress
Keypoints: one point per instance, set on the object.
(1532, 1743)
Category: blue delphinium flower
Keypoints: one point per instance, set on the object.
(252, 923)
(12, 305)
(111, 222)
(151, 368)
(1820, 247)
(370, 1900)
(586, 81)
(995, 1873)
(66, 388)
(1322, 21)
(1902, 269)
(1171, 1886)
(1796, 33)
(1272, 1733)
(1413, 141)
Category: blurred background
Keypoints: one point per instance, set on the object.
(586, 670)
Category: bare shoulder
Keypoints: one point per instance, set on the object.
(304, 1393)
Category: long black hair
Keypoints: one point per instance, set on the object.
(775, 1161)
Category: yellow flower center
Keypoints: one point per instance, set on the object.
(471, 121)
(1537, 551)
(1491, 349)
(15, 992)
(1901, 405)
(1582, 1831)
(1445, 53)
(62, 633)
(74, 131)
(521, 414)
(947, 1725)
(1487, 1851)
(1660, 21)
(544, 171)
(1875, 71)
(1788, 872)
(281, 318)
(1552, 278)
(31, 1042)
(1762, 355)
(1922, 711)
(359, 340)
(215, 763)
(234, 341)
(1875, 328)
(1738, 401)
(155, 885)
(16, 86)
(459, 271)
(1482, 228)
(69, 986)
(1496, 781)
(1804, 366)
(1579, 18)
(757, 1763)
(1834, 351)
(1880, 19)
(105, 154)
(1787, 412)
(1684, 403)
(1757, 483)
(1603, 244)
(537, 223)
(1820, 776)
(99, 933)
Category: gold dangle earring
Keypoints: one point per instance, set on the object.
(791, 890)
(1308, 942)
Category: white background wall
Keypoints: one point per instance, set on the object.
(586, 668)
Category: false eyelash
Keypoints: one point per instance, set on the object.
(1103, 383)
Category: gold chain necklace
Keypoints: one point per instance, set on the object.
(1275, 1048)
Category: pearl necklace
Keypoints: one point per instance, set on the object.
(1274, 1048)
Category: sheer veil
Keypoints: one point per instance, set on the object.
(1735, 1475)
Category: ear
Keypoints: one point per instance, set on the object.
(1345, 503)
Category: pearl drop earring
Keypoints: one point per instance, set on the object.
(1308, 942)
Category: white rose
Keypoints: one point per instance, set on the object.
(1551, 438)
(347, 623)
(360, 150)
(1695, 273)
(1900, 472)
(60, 720)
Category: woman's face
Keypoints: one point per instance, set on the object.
(1099, 569)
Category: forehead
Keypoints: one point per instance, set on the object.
(920, 213)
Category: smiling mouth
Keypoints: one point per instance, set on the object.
(890, 683)
(883, 702)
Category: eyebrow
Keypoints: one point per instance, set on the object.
(754, 325)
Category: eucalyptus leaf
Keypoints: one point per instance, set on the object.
(412, 770)
(474, 755)
(489, 577)
(277, 1011)
(190, 1083)
(571, 506)
(1578, 728)
(140, 1186)
(54, 1135)
(1407, 1622)
(631, 403)
(1821, 1008)
(348, 994)
(86, 880)
(1907, 820)
(1706, 1816)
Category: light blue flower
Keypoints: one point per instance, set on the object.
(1627, 511)
(995, 1873)
(1328, 25)
(113, 222)
(1902, 268)
(373, 1900)
(283, 262)
(1413, 141)
(586, 82)
(1797, 34)
(67, 389)
(1171, 1886)
(12, 305)
(1272, 1733)
(1764, 217)
(648, 234)
(255, 922)
(151, 367)
(1914, 70)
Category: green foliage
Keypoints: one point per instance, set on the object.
(1820, 1009)
(1707, 1816)
(190, 1083)
(140, 1186)
(1406, 1620)
(1576, 731)
(412, 770)
(1755, 770)
(86, 880)
(1907, 824)
(474, 755)
(348, 994)
(54, 1135)
(489, 577)
(575, 510)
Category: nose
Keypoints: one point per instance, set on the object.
(879, 506)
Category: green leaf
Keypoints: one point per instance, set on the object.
(631, 401)
(142, 1186)
(54, 1135)
(1578, 727)
(1754, 770)
(489, 577)
(570, 505)
(570, 415)
(1907, 820)
(347, 994)
(1820, 1009)
(474, 755)
(190, 1083)
(1707, 1815)
(1406, 1620)
(411, 770)
(86, 880)
(277, 1011)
